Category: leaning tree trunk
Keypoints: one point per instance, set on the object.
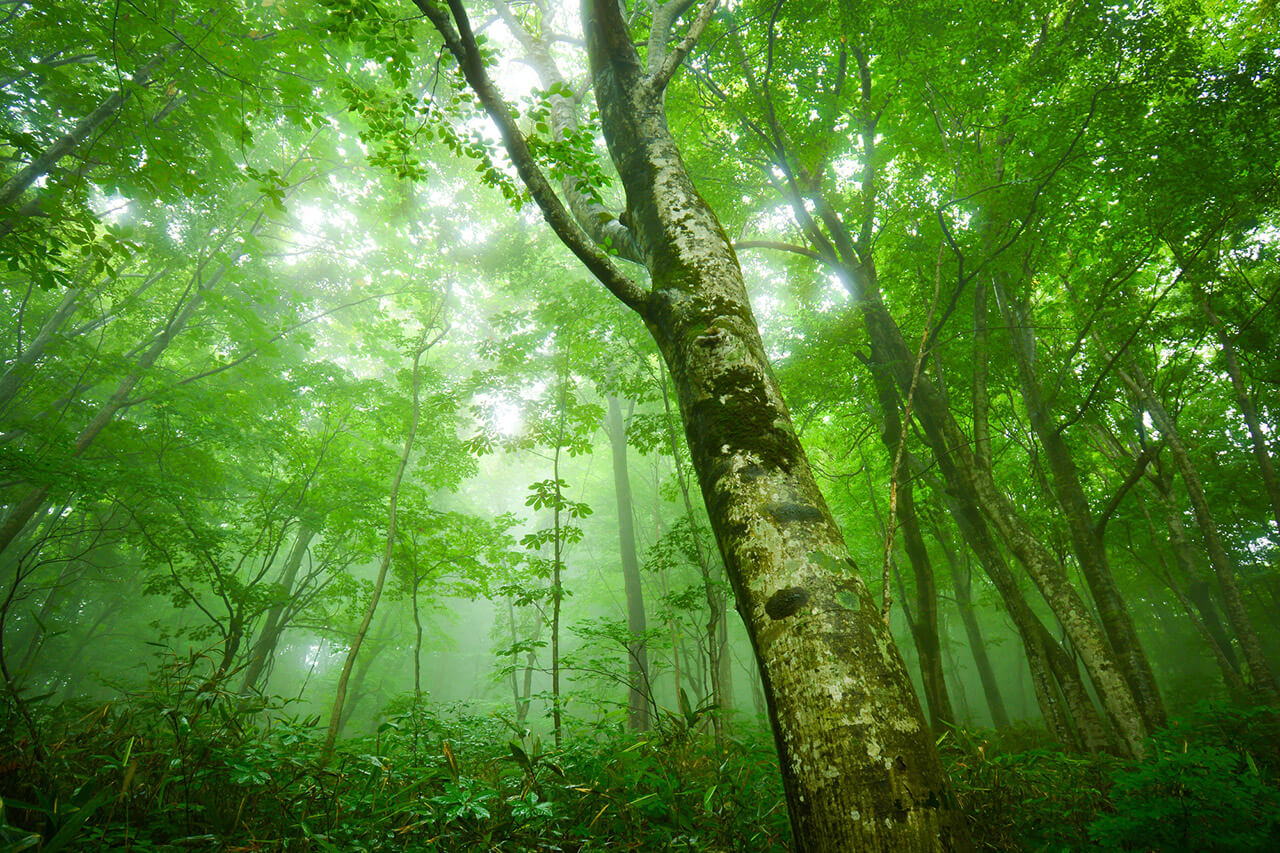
(1113, 612)
(858, 764)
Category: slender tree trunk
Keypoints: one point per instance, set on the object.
(924, 627)
(273, 626)
(340, 695)
(637, 653)
(962, 585)
(417, 641)
(1247, 406)
(1198, 583)
(717, 608)
(1087, 545)
(1264, 681)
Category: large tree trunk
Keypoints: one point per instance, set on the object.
(637, 654)
(858, 764)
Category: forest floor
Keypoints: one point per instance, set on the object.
(190, 767)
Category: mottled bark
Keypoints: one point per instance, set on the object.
(858, 764)
(637, 653)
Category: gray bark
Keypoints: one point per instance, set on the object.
(858, 763)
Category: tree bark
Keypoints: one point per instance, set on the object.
(637, 653)
(858, 764)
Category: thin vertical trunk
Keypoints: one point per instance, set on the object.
(924, 627)
(717, 607)
(1264, 682)
(962, 585)
(637, 653)
(417, 641)
(340, 695)
(557, 564)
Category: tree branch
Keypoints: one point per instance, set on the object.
(671, 62)
(462, 44)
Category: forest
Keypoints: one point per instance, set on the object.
(707, 425)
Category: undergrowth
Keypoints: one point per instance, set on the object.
(188, 765)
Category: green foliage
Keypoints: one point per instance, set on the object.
(1209, 782)
(188, 762)
(1201, 788)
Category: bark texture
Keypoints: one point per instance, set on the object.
(858, 763)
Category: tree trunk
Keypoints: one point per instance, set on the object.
(1247, 406)
(1264, 681)
(340, 695)
(637, 654)
(273, 627)
(1113, 613)
(962, 585)
(717, 609)
(924, 627)
(858, 764)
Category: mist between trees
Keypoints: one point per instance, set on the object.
(669, 425)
